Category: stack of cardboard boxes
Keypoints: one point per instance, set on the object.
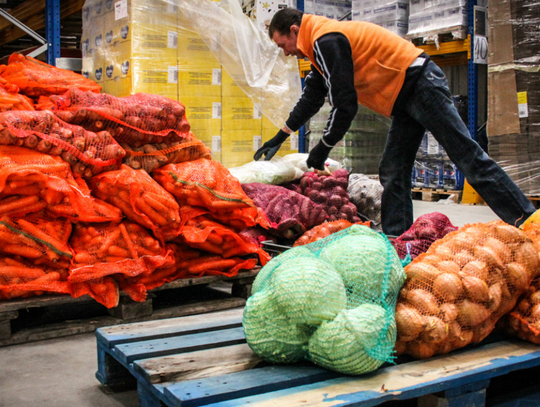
(132, 46)
(514, 90)
(390, 14)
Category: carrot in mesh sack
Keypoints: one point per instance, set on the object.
(104, 290)
(87, 153)
(205, 234)
(457, 291)
(212, 265)
(19, 278)
(291, 212)
(31, 181)
(136, 119)
(326, 229)
(11, 99)
(35, 78)
(150, 157)
(208, 184)
(423, 232)
(141, 199)
(38, 238)
(114, 248)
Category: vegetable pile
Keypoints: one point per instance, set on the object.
(457, 291)
(424, 231)
(325, 229)
(331, 302)
(290, 212)
(330, 191)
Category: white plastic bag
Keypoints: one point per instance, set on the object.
(299, 161)
(274, 172)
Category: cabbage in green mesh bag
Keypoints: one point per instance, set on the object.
(331, 302)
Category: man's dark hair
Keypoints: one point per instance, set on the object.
(282, 21)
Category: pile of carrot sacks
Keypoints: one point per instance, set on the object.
(100, 194)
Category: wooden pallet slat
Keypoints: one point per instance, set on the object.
(130, 352)
(242, 384)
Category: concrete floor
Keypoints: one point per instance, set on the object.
(60, 372)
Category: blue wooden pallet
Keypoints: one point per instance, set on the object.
(203, 360)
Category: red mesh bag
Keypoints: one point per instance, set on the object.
(31, 181)
(330, 191)
(35, 78)
(150, 157)
(88, 153)
(37, 238)
(212, 265)
(141, 199)
(208, 184)
(204, 234)
(20, 278)
(325, 229)
(291, 212)
(105, 249)
(524, 320)
(136, 119)
(104, 290)
(423, 232)
(457, 291)
(10, 99)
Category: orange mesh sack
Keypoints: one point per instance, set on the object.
(19, 278)
(208, 184)
(150, 157)
(104, 290)
(31, 181)
(524, 320)
(204, 234)
(37, 238)
(212, 265)
(88, 153)
(325, 229)
(10, 99)
(105, 249)
(35, 78)
(136, 119)
(457, 291)
(141, 199)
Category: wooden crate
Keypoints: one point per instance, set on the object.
(203, 360)
(23, 320)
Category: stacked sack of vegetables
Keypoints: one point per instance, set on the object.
(457, 291)
(329, 191)
(424, 231)
(119, 228)
(324, 230)
(331, 302)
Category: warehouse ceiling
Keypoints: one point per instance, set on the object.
(32, 14)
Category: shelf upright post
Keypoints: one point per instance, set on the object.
(472, 75)
(302, 148)
(52, 29)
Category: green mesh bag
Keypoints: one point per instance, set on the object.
(331, 302)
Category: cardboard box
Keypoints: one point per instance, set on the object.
(239, 113)
(238, 147)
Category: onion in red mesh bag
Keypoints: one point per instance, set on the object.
(292, 213)
(423, 232)
(330, 191)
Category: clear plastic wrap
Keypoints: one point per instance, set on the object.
(258, 67)
(430, 18)
(390, 14)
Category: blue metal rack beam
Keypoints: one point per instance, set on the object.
(52, 28)
(472, 76)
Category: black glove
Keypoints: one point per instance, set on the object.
(317, 156)
(271, 147)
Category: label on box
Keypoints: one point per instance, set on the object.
(523, 107)
(216, 76)
(216, 144)
(172, 8)
(294, 141)
(257, 111)
(172, 39)
(257, 142)
(173, 74)
(120, 9)
(216, 110)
